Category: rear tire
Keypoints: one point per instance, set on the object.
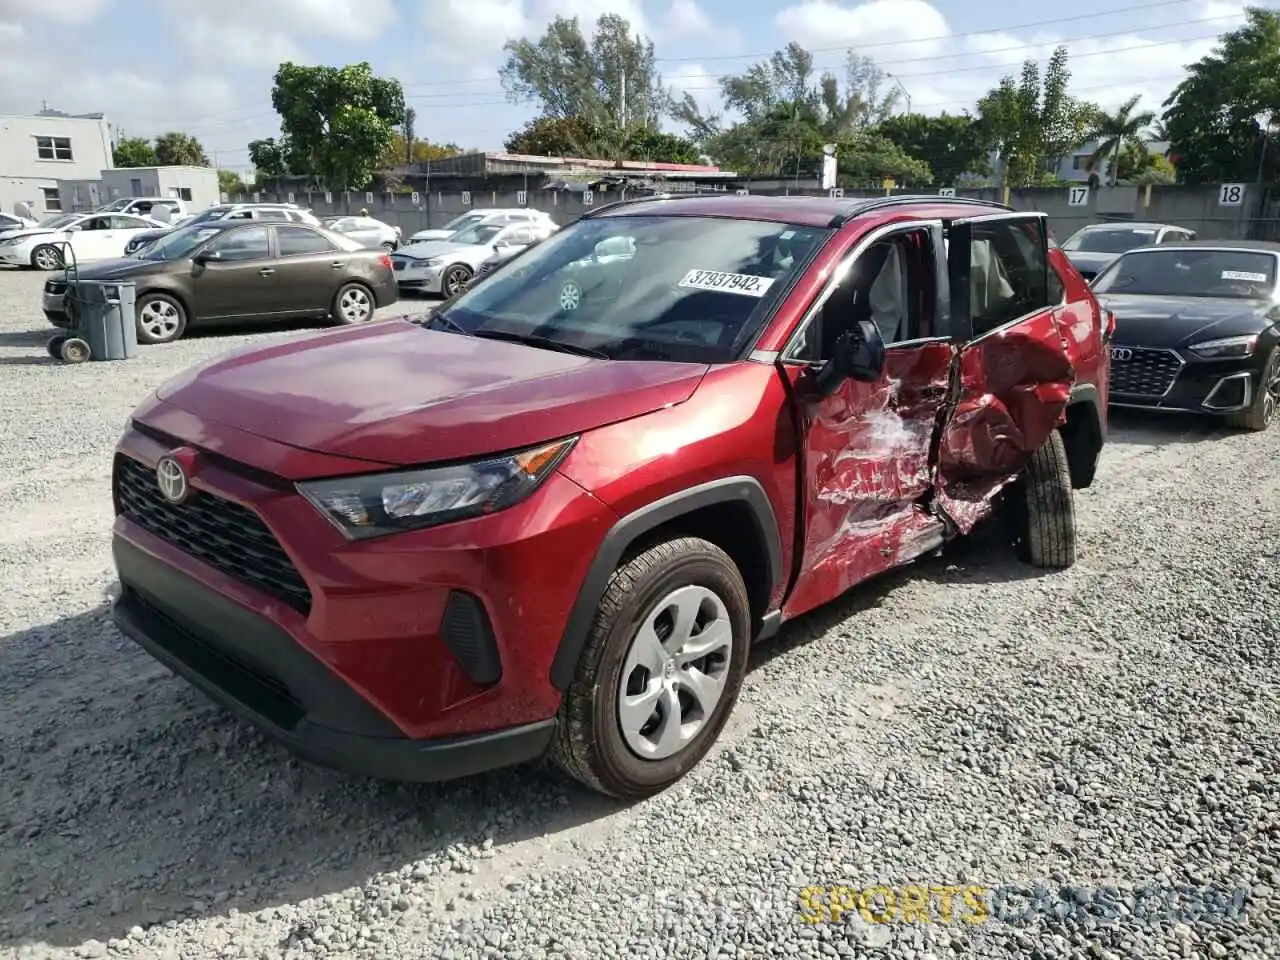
(160, 318)
(616, 710)
(54, 346)
(352, 304)
(1043, 505)
(1262, 411)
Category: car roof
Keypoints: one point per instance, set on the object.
(1261, 246)
(801, 210)
(1131, 225)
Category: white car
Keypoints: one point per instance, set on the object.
(446, 266)
(366, 230)
(502, 217)
(91, 236)
(12, 223)
(169, 210)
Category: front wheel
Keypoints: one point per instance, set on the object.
(660, 673)
(1262, 410)
(46, 257)
(161, 318)
(1044, 511)
(455, 280)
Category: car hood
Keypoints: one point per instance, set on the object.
(1177, 321)
(119, 268)
(430, 235)
(396, 393)
(28, 232)
(439, 248)
(1092, 262)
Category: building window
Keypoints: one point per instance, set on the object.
(184, 193)
(53, 148)
(52, 201)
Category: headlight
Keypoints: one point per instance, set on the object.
(431, 262)
(378, 504)
(1227, 348)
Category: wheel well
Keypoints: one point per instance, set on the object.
(164, 293)
(733, 527)
(1082, 436)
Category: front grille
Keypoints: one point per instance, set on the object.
(1146, 372)
(225, 535)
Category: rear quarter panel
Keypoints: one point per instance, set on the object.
(1082, 322)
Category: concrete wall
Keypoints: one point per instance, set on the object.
(197, 186)
(1197, 208)
(25, 176)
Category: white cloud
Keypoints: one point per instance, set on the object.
(472, 32)
(913, 27)
(64, 11)
(700, 83)
(686, 19)
(238, 32)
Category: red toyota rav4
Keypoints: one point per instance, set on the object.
(553, 518)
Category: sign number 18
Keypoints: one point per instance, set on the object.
(1231, 194)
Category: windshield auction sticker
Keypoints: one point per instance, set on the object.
(1238, 275)
(742, 283)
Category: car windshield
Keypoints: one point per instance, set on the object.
(116, 205)
(60, 221)
(690, 289)
(214, 213)
(180, 243)
(480, 233)
(1111, 240)
(462, 222)
(1231, 274)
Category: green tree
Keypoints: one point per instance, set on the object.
(336, 124)
(1116, 132)
(134, 152)
(176, 149)
(612, 77)
(422, 151)
(951, 145)
(1220, 118)
(229, 182)
(1033, 121)
(549, 136)
(407, 138)
(580, 137)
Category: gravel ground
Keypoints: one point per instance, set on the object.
(965, 721)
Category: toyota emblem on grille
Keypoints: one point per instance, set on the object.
(1121, 353)
(172, 480)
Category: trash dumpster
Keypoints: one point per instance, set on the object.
(102, 322)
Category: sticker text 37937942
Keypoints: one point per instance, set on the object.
(742, 283)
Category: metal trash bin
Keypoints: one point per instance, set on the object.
(102, 316)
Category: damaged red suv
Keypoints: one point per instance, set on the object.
(552, 519)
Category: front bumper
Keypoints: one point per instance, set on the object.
(55, 308)
(392, 657)
(14, 257)
(222, 648)
(1179, 382)
(413, 276)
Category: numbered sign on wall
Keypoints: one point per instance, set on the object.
(947, 191)
(1231, 194)
(413, 198)
(743, 192)
(466, 198)
(522, 198)
(588, 198)
(836, 193)
(368, 198)
(1078, 197)
(328, 196)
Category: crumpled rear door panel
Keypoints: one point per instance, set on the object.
(1013, 386)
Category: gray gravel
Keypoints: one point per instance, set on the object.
(962, 722)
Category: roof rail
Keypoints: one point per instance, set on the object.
(879, 203)
(624, 203)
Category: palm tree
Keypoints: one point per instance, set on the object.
(1114, 131)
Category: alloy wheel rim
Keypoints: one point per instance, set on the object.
(570, 296)
(1271, 390)
(159, 319)
(355, 306)
(675, 672)
(453, 282)
(46, 259)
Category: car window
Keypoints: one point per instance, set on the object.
(181, 243)
(694, 289)
(1111, 239)
(521, 235)
(295, 216)
(96, 223)
(240, 215)
(276, 215)
(466, 220)
(480, 233)
(298, 241)
(242, 243)
(1229, 274)
(124, 222)
(1008, 274)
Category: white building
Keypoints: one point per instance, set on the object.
(36, 152)
(197, 187)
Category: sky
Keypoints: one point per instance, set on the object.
(205, 67)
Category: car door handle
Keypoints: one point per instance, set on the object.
(265, 272)
(337, 264)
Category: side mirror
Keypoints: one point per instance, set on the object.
(206, 256)
(74, 228)
(859, 355)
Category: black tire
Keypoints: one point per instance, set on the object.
(1043, 508)
(75, 350)
(159, 318)
(589, 744)
(455, 280)
(47, 257)
(54, 346)
(353, 303)
(1266, 402)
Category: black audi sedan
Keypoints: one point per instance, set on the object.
(1197, 329)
